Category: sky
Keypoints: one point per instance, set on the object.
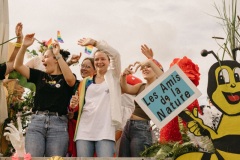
(173, 29)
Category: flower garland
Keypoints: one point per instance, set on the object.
(189, 68)
(171, 131)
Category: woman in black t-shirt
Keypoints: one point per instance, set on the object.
(47, 133)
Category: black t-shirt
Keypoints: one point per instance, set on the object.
(52, 92)
(3, 69)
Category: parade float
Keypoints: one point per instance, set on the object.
(192, 133)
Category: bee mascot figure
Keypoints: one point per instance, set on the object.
(224, 92)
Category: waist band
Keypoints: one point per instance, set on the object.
(47, 113)
(139, 121)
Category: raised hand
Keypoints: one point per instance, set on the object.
(18, 32)
(127, 71)
(56, 47)
(86, 42)
(147, 51)
(28, 40)
(134, 67)
(75, 58)
(16, 137)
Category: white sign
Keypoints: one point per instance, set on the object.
(167, 96)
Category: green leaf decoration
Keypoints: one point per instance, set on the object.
(230, 24)
(34, 52)
(22, 80)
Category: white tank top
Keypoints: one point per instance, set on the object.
(95, 123)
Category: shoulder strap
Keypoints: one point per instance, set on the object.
(141, 88)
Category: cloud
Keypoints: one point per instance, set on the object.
(173, 29)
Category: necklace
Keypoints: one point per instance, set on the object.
(52, 81)
(48, 79)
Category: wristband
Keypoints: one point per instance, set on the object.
(18, 45)
(58, 57)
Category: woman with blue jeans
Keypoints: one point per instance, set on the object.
(137, 135)
(99, 103)
(47, 134)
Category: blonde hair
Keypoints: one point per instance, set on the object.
(102, 52)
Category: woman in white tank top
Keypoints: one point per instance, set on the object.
(101, 112)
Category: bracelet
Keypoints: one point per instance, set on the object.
(58, 57)
(18, 45)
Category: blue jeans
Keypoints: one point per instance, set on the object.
(103, 148)
(47, 136)
(135, 137)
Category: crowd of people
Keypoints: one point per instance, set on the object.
(87, 117)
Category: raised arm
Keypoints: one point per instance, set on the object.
(115, 59)
(126, 88)
(149, 54)
(147, 51)
(66, 71)
(74, 59)
(18, 64)
(9, 64)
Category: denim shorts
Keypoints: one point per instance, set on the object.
(47, 135)
(137, 135)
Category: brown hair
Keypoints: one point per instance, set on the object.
(65, 54)
(91, 60)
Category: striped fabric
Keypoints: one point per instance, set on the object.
(82, 91)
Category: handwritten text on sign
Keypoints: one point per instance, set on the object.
(168, 96)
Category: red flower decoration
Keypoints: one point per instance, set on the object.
(193, 105)
(171, 132)
(189, 68)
